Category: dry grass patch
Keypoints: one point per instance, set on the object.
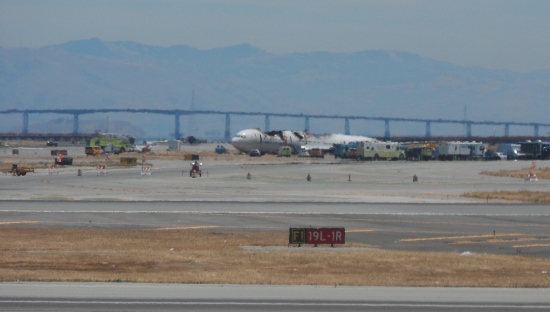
(526, 196)
(523, 195)
(204, 256)
(542, 173)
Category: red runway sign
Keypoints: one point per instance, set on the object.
(317, 236)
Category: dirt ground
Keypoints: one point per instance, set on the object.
(201, 256)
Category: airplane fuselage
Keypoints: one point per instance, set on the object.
(268, 142)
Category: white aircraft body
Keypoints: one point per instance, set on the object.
(270, 141)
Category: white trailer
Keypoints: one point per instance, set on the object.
(461, 150)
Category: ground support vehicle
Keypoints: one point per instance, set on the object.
(120, 142)
(380, 150)
(195, 170)
(92, 150)
(220, 149)
(284, 151)
(348, 150)
(63, 161)
(419, 153)
(17, 171)
(303, 152)
(492, 155)
(55, 152)
(461, 151)
(50, 143)
(536, 149)
(511, 151)
(316, 152)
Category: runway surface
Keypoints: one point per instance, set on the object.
(177, 297)
(480, 228)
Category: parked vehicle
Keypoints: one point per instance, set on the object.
(342, 150)
(536, 149)
(55, 152)
(17, 171)
(63, 161)
(285, 151)
(120, 142)
(492, 155)
(255, 153)
(51, 143)
(461, 150)
(316, 152)
(220, 149)
(380, 150)
(511, 151)
(92, 150)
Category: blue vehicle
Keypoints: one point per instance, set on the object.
(220, 149)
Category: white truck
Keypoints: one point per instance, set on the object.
(511, 150)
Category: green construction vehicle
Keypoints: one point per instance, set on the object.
(113, 142)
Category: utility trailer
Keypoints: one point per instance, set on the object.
(536, 149)
(461, 151)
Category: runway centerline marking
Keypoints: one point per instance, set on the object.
(191, 227)
(457, 237)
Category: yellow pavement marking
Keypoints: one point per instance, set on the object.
(17, 222)
(191, 227)
(492, 241)
(359, 231)
(532, 245)
(457, 237)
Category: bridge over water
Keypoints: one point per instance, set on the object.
(177, 113)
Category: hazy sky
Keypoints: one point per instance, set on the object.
(500, 34)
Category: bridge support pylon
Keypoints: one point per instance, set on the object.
(428, 129)
(75, 123)
(387, 128)
(346, 126)
(266, 127)
(227, 128)
(25, 122)
(177, 128)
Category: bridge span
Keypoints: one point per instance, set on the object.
(177, 113)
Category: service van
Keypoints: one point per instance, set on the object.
(284, 151)
(380, 150)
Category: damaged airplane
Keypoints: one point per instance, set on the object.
(268, 142)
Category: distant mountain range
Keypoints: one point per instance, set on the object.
(98, 74)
